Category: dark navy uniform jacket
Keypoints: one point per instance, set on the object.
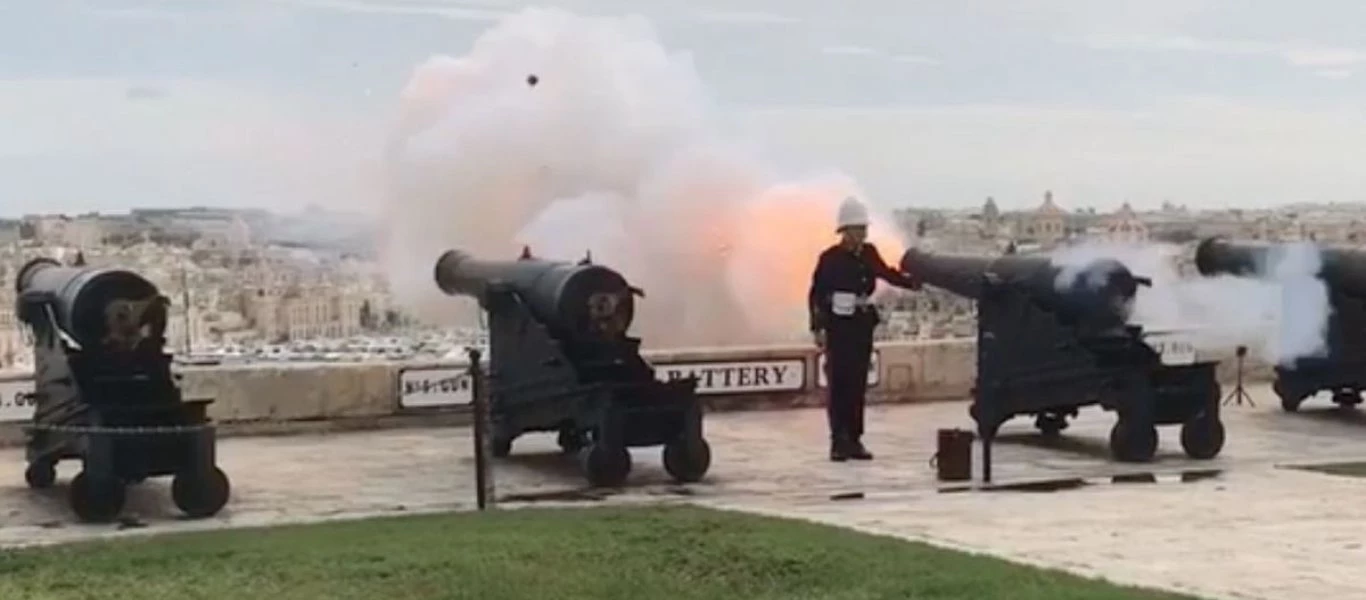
(840, 270)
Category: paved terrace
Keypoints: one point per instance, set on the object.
(1255, 531)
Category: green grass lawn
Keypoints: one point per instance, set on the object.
(566, 554)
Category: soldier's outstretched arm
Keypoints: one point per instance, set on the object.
(884, 271)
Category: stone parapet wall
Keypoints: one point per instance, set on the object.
(282, 398)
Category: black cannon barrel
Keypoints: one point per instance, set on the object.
(1219, 256)
(959, 274)
(81, 297)
(1341, 268)
(578, 299)
(1101, 286)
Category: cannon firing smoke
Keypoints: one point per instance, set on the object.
(1280, 312)
(571, 134)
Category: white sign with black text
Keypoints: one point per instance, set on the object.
(739, 377)
(425, 387)
(1174, 349)
(16, 400)
(874, 370)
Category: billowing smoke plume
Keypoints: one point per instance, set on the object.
(1280, 315)
(572, 134)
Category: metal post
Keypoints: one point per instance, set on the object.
(185, 299)
(483, 479)
(986, 458)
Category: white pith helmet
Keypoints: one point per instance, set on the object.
(852, 213)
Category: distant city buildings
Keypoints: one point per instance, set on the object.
(931, 313)
(247, 285)
(228, 287)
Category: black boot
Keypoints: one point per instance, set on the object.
(856, 451)
(839, 450)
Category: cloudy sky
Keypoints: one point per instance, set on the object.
(106, 104)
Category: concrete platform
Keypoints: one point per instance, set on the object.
(1256, 530)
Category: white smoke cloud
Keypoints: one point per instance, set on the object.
(574, 135)
(1280, 315)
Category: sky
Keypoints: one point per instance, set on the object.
(110, 104)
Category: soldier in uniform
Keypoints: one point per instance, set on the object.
(842, 323)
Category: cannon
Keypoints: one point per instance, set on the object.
(104, 392)
(561, 359)
(1341, 369)
(1052, 339)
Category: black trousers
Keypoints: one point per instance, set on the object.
(848, 350)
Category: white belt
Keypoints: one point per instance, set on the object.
(846, 303)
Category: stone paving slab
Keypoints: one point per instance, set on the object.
(1271, 534)
(1255, 531)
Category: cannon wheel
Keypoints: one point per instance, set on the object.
(687, 460)
(1132, 441)
(96, 499)
(40, 474)
(1289, 403)
(201, 494)
(1202, 437)
(605, 465)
